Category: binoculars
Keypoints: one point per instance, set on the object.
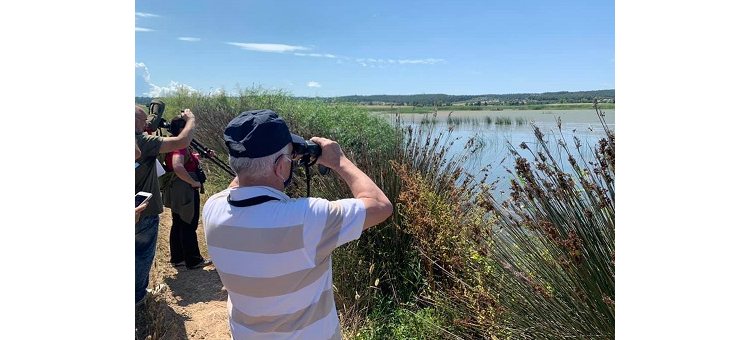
(309, 150)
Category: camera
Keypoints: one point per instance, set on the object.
(201, 174)
(163, 124)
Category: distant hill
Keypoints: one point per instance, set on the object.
(604, 96)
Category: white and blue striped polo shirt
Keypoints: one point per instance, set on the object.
(274, 259)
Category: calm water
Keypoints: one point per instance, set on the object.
(581, 123)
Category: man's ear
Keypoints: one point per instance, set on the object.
(277, 167)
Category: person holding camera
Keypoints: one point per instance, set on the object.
(146, 179)
(273, 252)
(182, 197)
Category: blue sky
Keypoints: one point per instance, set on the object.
(337, 48)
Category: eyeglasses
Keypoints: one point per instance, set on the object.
(286, 155)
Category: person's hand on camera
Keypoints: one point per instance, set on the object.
(196, 185)
(331, 154)
(187, 115)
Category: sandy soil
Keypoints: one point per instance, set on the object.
(193, 302)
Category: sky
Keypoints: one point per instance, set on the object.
(338, 48)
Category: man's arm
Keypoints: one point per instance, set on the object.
(376, 203)
(184, 138)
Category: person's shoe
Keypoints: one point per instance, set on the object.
(156, 289)
(200, 264)
(177, 264)
(150, 293)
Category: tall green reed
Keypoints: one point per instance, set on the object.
(539, 265)
(555, 251)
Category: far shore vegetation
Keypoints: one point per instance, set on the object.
(484, 107)
(428, 103)
(452, 262)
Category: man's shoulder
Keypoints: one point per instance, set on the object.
(217, 200)
(150, 145)
(148, 142)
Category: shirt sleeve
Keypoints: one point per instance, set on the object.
(149, 145)
(182, 152)
(342, 221)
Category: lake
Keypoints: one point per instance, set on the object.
(498, 128)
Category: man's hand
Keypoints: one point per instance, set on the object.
(331, 154)
(139, 209)
(186, 115)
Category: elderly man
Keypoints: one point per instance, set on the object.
(273, 252)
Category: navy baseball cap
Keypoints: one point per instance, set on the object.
(257, 133)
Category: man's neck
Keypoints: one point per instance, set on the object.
(268, 182)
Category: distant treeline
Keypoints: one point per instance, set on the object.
(604, 96)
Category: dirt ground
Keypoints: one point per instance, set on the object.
(193, 302)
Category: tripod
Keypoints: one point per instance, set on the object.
(205, 152)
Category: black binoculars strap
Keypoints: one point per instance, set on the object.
(250, 201)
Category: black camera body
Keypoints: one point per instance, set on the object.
(163, 124)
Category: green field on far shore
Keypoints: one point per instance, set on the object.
(426, 109)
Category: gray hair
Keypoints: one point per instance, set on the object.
(256, 168)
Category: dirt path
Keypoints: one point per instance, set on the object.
(193, 303)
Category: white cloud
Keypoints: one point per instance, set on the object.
(277, 48)
(428, 61)
(366, 62)
(146, 15)
(317, 55)
(188, 39)
(158, 91)
(139, 15)
(144, 87)
(370, 61)
(142, 80)
(313, 84)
